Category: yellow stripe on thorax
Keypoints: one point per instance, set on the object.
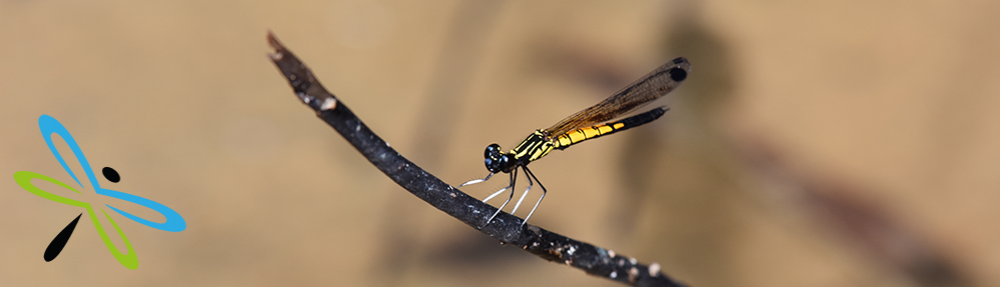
(534, 147)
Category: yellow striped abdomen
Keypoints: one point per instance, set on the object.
(580, 135)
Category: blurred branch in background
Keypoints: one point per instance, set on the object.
(842, 207)
(507, 228)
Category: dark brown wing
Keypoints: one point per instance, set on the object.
(652, 86)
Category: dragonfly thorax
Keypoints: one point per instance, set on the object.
(534, 147)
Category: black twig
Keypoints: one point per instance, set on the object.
(505, 227)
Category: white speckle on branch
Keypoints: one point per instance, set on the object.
(328, 104)
(633, 273)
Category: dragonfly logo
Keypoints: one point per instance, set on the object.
(174, 222)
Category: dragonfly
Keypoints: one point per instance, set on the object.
(582, 126)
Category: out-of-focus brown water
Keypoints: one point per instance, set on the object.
(813, 144)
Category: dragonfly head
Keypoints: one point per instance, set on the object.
(498, 161)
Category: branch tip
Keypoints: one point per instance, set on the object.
(276, 46)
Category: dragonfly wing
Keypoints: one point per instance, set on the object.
(652, 86)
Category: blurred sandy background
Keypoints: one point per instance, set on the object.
(849, 143)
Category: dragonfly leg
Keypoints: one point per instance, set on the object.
(499, 192)
(478, 180)
(518, 204)
(532, 175)
(513, 180)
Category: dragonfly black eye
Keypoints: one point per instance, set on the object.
(492, 151)
(493, 165)
(501, 163)
(678, 74)
(495, 160)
